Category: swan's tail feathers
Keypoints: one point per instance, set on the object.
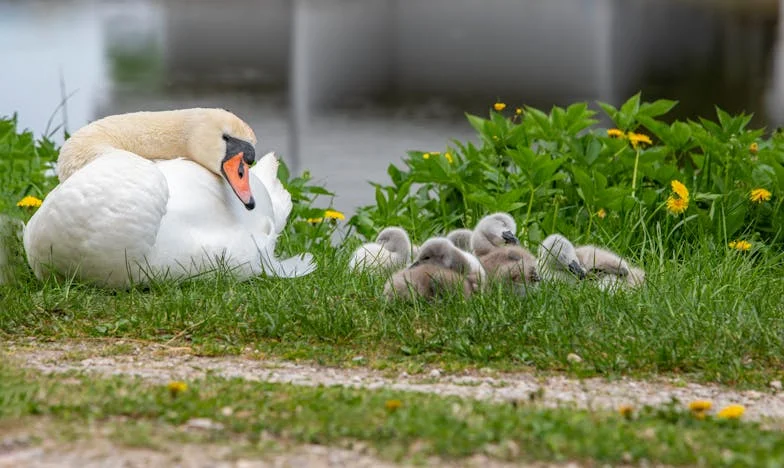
(289, 268)
(267, 171)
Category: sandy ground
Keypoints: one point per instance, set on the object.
(155, 362)
(161, 363)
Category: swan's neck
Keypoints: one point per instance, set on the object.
(151, 135)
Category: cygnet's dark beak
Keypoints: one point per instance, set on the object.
(416, 263)
(577, 269)
(509, 237)
(535, 278)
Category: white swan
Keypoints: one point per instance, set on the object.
(156, 193)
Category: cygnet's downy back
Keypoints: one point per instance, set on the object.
(461, 238)
(512, 264)
(609, 268)
(428, 280)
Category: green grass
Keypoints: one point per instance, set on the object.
(714, 314)
(423, 425)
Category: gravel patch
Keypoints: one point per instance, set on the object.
(32, 446)
(161, 363)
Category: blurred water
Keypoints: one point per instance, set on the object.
(344, 87)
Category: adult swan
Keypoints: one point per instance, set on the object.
(162, 194)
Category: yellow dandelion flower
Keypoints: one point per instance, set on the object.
(676, 205)
(615, 133)
(740, 245)
(448, 157)
(753, 148)
(699, 406)
(334, 214)
(176, 387)
(393, 405)
(680, 190)
(759, 195)
(626, 411)
(29, 202)
(315, 220)
(601, 213)
(499, 106)
(637, 138)
(426, 156)
(731, 412)
(518, 111)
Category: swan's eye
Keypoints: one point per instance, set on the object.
(225, 137)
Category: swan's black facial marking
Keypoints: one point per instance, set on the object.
(238, 154)
(235, 146)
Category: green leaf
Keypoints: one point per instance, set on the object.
(681, 133)
(477, 122)
(657, 108)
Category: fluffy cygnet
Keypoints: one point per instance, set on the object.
(461, 238)
(494, 230)
(440, 267)
(609, 268)
(441, 251)
(558, 260)
(391, 250)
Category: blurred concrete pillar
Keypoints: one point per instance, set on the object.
(339, 50)
(774, 99)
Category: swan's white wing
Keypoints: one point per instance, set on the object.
(100, 222)
(266, 169)
(206, 226)
(293, 267)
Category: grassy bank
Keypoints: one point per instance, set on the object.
(714, 314)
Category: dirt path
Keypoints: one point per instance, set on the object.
(160, 363)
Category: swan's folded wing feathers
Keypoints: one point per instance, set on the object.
(98, 222)
(267, 171)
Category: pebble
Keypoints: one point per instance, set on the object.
(203, 424)
(435, 373)
(775, 385)
(574, 358)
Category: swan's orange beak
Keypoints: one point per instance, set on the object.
(237, 173)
